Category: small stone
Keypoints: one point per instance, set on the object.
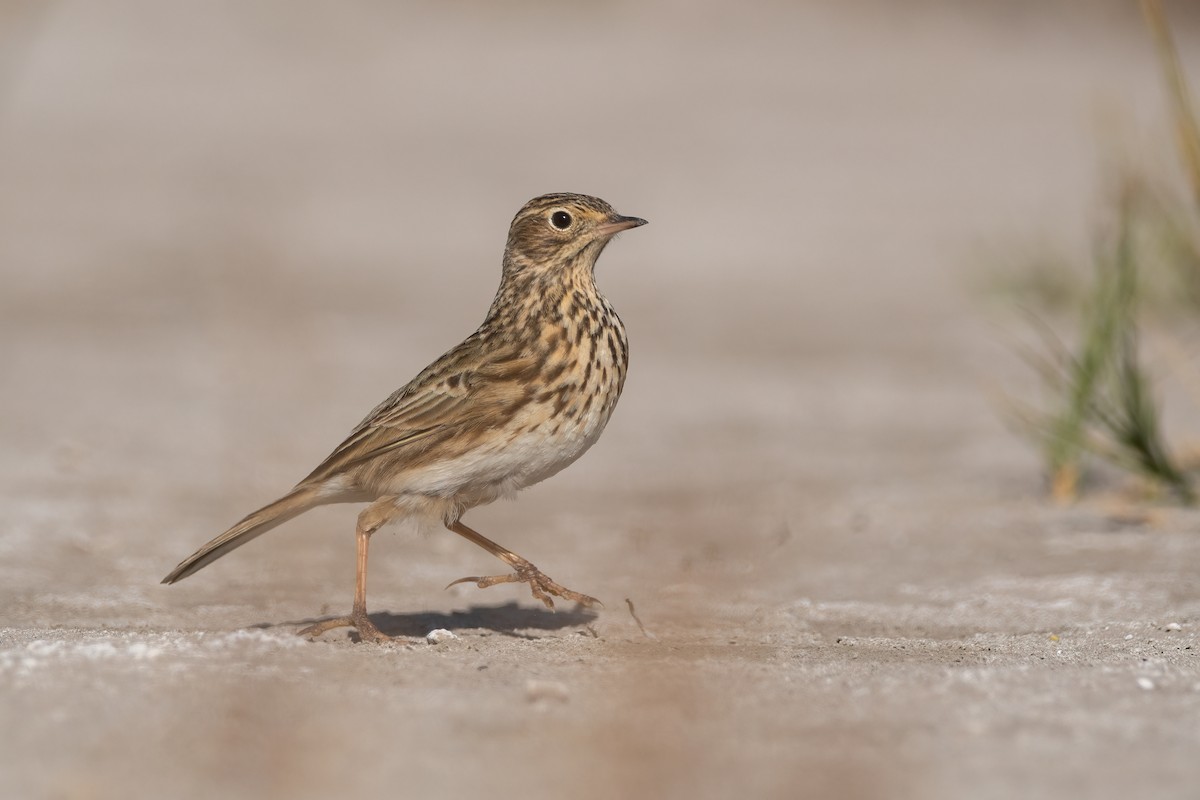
(546, 692)
(1145, 683)
(1128, 636)
(1172, 626)
(439, 635)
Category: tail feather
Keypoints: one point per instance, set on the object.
(296, 502)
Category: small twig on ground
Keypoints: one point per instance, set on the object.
(641, 627)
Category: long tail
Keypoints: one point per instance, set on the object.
(296, 502)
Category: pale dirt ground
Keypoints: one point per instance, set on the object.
(226, 232)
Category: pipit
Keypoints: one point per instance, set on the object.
(519, 400)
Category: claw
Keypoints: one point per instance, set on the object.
(469, 579)
(540, 586)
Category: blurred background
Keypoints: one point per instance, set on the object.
(228, 229)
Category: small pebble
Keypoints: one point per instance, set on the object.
(439, 635)
(1128, 636)
(546, 691)
(1172, 626)
(1145, 683)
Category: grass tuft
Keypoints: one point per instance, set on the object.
(1102, 403)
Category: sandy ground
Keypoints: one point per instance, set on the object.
(227, 231)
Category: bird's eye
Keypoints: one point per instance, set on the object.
(560, 220)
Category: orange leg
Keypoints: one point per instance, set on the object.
(373, 517)
(524, 572)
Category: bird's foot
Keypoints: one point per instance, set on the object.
(358, 620)
(539, 584)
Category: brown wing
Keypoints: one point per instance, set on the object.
(464, 392)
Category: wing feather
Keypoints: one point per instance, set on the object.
(454, 394)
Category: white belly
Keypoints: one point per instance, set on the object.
(505, 465)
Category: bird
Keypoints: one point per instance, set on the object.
(519, 400)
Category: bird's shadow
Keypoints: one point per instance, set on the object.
(505, 619)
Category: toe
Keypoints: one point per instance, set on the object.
(318, 628)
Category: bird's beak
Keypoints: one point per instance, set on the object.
(618, 224)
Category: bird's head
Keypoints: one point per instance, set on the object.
(558, 232)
